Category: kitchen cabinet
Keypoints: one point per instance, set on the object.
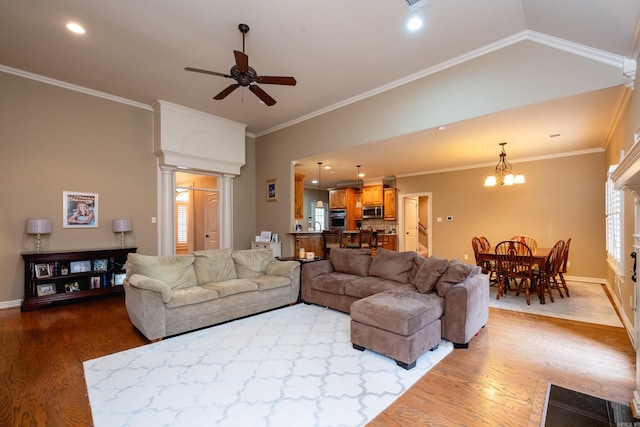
(299, 196)
(390, 242)
(338, 199)
(311, 242)
(390, 204)
(372, 195)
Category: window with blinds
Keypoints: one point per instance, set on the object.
(614, 209)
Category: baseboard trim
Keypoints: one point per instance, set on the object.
(10, 304)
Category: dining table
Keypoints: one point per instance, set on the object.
(539, 256)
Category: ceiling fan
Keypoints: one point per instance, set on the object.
(247, 76)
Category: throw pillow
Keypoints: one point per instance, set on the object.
(392, 265)
(174, 270)
(214, 265)
(456, 272)
(251, 262)
(351, 261)
(430, 271)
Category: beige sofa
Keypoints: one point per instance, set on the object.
(168, 295)
(400, 303)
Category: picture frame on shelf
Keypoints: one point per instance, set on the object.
(79, 210)
(80, 266)
(100, 265)
(272, 190)
(118, 278)
(94, 282)
(46, 289)
(265, 236)
(43, 271)
(71, 287)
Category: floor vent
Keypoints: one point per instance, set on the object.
(414, 5)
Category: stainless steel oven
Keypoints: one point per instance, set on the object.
(338, 219)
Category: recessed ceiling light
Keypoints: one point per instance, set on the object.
(414, 24)
(76, 28)
(441, 128)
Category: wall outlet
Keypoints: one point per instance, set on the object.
(466, 257)
(439, 219)
(153, 220)
(568, 264)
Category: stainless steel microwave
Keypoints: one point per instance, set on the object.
(369, 212)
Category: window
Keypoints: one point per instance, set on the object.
(613, 205)
(182, 221)
(319, 217)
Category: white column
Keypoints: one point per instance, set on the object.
(226, 211)
(167, 209)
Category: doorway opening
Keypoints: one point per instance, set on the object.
(197, 213)
(416, 223)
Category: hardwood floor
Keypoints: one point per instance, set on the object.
(499, 381)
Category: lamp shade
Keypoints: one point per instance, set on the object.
(38, 226)
(121, 225)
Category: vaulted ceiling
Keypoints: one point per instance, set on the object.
(341, 52)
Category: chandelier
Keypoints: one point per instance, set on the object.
(503, 174)
(359, 195)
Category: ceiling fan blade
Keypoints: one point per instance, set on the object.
(264, 96)
(277, 80)
(242, 61)
(227, 91)
(197, 70)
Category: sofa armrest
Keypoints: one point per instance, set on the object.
(288, 269)
(466, 309)
(143, 282)
(316, 268)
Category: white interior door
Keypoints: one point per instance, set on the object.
(410, 224)
(211, 221)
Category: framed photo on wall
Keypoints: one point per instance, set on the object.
(79, 210)
(272, 190)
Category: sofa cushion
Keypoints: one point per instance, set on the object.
(174, 270)
(403, 313)
(232, 287)
(392, 265)
(192, 295)
(251, 262)
(430, 271)
(351, 261)
(363, 287)
(215, 265)
(270, 282)
(332, 283)
(455, 273)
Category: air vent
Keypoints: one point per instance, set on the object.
(414, 5)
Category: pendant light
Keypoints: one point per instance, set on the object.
(503, 175)
(319, 203)
(359, 199)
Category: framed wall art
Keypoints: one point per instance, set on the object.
(46, 289)
(79, 210)
(272, 190)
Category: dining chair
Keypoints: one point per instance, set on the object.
(514, 261)
(529, 241)
(476, 244)
(550, 271)
(564, 258)
(330, 239)
(366, 238)
(491, 265)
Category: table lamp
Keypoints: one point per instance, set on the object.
(121, 226)
(38, 226)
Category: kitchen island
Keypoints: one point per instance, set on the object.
(311, 241)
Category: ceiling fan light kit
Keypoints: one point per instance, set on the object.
(246, 76)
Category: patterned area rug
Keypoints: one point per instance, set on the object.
(588, 303)
(290, 367)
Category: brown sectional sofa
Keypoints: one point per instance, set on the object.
(401, 304)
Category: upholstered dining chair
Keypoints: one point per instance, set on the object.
(514, 261)
(330, 239)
